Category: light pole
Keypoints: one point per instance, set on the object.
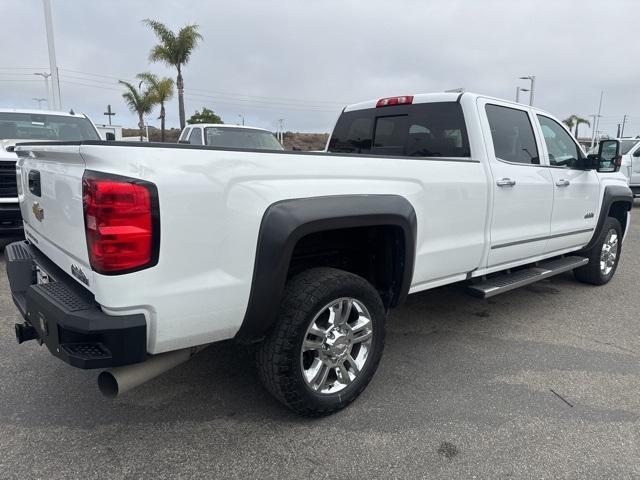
(532, 78)
(518, 90)
(39, 100)
(242, 117)
(53, 66)
(46, 76)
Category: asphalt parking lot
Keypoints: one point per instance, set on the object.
(541, 382)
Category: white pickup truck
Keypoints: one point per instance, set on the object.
(155, 250)
(22, 125)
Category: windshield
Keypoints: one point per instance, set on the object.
(37, 126)
(241, 138)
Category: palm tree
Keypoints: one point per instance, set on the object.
(570, 122)
(138, 101)
(580, 120)
(161, 89)
(174, 50)
(573, 122)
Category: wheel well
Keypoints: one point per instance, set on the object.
(619, 211)
(376, 253)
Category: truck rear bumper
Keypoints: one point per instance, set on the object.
(66, 317)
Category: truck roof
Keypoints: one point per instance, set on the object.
(35, 111)
(433, 97)
(225, 125)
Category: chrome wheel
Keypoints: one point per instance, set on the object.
(336, 345)
(609, 252)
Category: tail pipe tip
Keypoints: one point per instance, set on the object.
(116, 381)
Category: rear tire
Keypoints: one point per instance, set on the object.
(603, 256)
(327, 343)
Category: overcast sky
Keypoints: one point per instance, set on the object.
(302, 60)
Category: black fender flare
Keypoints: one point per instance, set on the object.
(284, 223)
(612, 194)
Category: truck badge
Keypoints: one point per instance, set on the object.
(38, 211)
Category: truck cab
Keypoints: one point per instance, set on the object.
(229, 136)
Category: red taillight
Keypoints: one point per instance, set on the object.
(387, 102)
(121, 222)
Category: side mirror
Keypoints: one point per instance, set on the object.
(609, 159)
(636, 153)
(110, 136)
(592, 162)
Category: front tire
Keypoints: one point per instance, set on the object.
(327, 343)
(603, 256)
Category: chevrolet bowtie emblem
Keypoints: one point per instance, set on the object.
(38, 211)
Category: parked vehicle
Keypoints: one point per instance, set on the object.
(229, 136)
(303, 254)
(29, 125)
(630, 151)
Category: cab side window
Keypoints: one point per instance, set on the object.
(563, 151)
(184, 135)
(512, 134)
(196, 136)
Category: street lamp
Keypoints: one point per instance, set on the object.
(242, 117)
(518, 90)
(532, 78)
(39, 100)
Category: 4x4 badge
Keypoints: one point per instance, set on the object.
(38, 211)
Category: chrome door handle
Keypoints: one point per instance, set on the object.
(505, 182)
(563, 183)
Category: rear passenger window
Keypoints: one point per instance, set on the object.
(512, 134)
(196, 136)
(418, 130)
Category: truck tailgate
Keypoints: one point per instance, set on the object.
(50, 192)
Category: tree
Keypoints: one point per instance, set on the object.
(579, 121)
(174, 50)
(138, 101)
(207, 116)
(162, 90)
(573, 122)
(570, 122)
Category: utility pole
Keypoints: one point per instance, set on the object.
(594, 130)
(531, 78)
(624, 120)
(242, 117)
(109, 113)
(46, 76)
(53, 65)
(40, 100)
(618, 133)
(281, 130)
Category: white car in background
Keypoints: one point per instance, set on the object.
(229, 136)
(630, 166)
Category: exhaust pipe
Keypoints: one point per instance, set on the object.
(118, 380)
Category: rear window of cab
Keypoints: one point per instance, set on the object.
(417, 130)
